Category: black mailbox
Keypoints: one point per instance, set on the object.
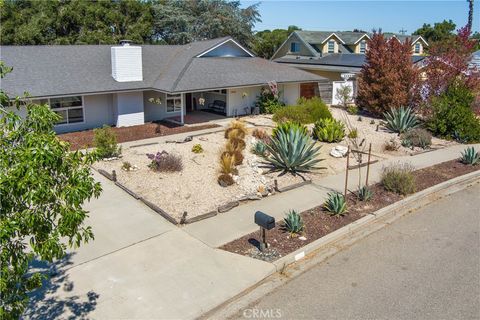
(264, 220)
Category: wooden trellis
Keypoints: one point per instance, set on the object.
(357, 166)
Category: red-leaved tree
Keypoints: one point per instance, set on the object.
(448, 63)
(388, 78)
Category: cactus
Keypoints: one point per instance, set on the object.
(470, 156)
(329, 130)
(293, 222)
(335, 204)
(400, 120)
(364, 194)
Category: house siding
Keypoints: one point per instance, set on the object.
(285, 48)
(290, 93)
(235, 102)
(128, 108)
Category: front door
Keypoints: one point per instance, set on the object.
(188, 102)
(307, 90)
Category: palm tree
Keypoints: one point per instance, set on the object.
(470, 14)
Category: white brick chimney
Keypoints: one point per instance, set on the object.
(126, 62)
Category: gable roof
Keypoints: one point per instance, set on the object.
(58, 70)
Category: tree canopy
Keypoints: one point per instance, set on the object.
(42, 189)
(29, 22)
(438, 32)
(266, 42)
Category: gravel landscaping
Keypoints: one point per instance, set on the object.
(195, 189)
(318, 223)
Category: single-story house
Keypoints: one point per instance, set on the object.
(125, 85)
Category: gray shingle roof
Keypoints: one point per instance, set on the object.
(349, 37)
(66, 70)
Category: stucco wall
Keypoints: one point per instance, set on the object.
(128, 109)
(290, 93)
(236, 102)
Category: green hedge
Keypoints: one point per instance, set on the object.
(305, 112)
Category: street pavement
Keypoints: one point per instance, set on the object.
(424, 266)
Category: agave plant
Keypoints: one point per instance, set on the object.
(293, 222)
(364, 193)
(259, 148)
(470, 156)
(293, 151)
(287, 126)
(329, 130)
(335, 204)
(401, 119)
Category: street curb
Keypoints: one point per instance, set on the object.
(329, 245)
(392, 212)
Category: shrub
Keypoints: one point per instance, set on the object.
(197, 148)
(227, 163)
(401, 119)
(235, 144)
(293, 151)
(307, 111)
(106, 142)
(238, 128)
(420, 138)
(225, 180)
(364, 193)
(353, 134)
(267, 102)
(259, 148)
(470, 156)
(344, 94)
(293, 222)
(237, 155)
(261, 134)
(165, 162)
(285, 127)
(329, 130)
(452, 116)
(399, 178)
(335, 204)
(391, 145)
(126, 165)
(352, 109)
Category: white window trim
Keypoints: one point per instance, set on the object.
(328, 46)
(419, 47)
(61, 109)
(173, 97)
(364, 43)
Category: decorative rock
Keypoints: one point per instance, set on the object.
(203, 139)
(339, 152)
(302, 238)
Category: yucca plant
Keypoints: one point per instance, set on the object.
(470, 156)
(401, 119)
(293, 151)
(329, 130)
(259, 148)
(364, 193)
(336, 204)
(286, 126)
(293, 222)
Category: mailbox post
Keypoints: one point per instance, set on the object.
(265, 222)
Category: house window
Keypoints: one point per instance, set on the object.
(69, 108)
(331, 46)
(174, 102)
(294, 47)
(363, 46)
(418, 47)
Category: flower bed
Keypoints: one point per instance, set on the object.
(318, 223)
(84, 139)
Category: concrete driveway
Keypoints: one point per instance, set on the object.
(140, 266)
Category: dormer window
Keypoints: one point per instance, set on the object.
(363, 46)
(418, 47)
(294, 47)
(331, 46)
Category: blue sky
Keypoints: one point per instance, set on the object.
(341, 15)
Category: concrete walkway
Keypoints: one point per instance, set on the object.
(231, 225)
(141, 266)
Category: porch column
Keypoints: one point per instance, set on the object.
(181, 109)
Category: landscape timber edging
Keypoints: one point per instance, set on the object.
(159, 210)
(382, 216)
(124, 188)
(293, 186)
(104, 173)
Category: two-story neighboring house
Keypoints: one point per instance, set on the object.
(335, 55)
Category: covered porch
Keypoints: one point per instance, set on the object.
(196, 117)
